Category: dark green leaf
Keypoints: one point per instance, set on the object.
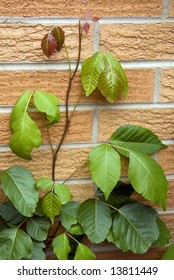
(135, 228)
(18, 184)
(61, 246)
(135, 138)
(91, 70)
(38, 227)
(169, 254)
(47, 103)
(104, 164)
(68, 214)
(51, 206)
(10, 214)
(95, 219)
(15, 244)
(84, 253)
(37, 251)
(147, 178)
(164, 234)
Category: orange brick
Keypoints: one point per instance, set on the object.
(22, 42)
(141, 86)
(138, 41)
(160, 121)
(167, 85)
(77, 8)
(166, 159)
(171, 9)
(82, 192)
(76, 131)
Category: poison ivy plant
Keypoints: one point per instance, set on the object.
(169, 254)
(41, 212)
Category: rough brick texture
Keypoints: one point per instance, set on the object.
(141, 35)
(139, 41)
(141, 86)
(78, 8)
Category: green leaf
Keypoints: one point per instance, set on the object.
(113, 63)
(68, 214)
(61, 246)
(164, 234)
(76, 229)
(110, 237)
(91, 70)
(135, 228)
(39, 211)
(169, 253)
(63, 193)
(18, 244)
(44, 184)
(47, 103)
(10, 214)
(147, 178)
(38, 227)
(58, 34)
(37, 251)
(18, 184)
(26, 134)
(135, 138)
(110, 83)
(51, 206)
(95, 219)
(104, 165)
(84, 253)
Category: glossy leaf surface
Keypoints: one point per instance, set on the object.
(61, 246)
(49, 44)
(51, 206)
(68, 214)
(63, 193)
(38, 227)
(104, 165)
(84, 253)
(18, 184)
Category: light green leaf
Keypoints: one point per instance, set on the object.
(48, 104)
(135, 138)
(18, 184)
(38, 227)
(104, 165)
(84, 253)
(61, 246)
(110, 236)
(76, 229)
(26, 134)
(68, 214)
(164, 234)
(18, 244)
(169, 253)
(110, 83)
(44, 184)
(51, 206)
(112, 62)
(135, 228)
(95, 219)
(37, 251)
(10, 214)
(20, 107)
(91, 70)
(147, 178)
(63, 193)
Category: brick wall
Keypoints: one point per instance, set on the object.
(140, 34)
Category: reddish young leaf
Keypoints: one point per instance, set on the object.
(86, 27)
(94, 19)
(58, 33)
(48, 44)
(87, 15)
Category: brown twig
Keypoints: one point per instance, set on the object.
(67, 121)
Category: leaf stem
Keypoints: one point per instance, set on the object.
(67, 121)
(72, 237)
